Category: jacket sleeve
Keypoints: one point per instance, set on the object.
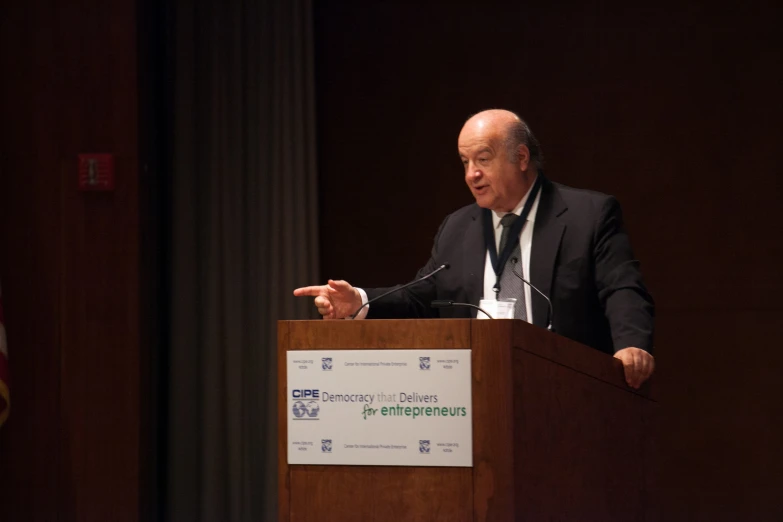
(628, 305)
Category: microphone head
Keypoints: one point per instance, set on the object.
(441, 303)
(446, 266)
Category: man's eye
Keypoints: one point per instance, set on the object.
(483, 160)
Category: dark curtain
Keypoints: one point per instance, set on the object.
(243, 234)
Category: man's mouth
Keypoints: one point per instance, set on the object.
(480, 190)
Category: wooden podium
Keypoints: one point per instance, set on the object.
(557, 434)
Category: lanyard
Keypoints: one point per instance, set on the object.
(498, 264)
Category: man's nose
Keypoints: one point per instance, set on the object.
(474, 172)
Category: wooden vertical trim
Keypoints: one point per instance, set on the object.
(283, 474)
(493, 423)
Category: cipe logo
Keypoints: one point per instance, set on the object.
(305, 394)
(305, 410)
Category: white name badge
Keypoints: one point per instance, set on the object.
(380, 407)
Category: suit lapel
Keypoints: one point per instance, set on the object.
(473, 259)
(547, 234)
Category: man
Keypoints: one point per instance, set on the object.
(568, 243)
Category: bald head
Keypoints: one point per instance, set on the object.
(497, 118)
(510, 130)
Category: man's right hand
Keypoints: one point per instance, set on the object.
(334, 300)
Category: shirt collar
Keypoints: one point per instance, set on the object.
(497, 216)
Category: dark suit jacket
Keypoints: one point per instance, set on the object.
(580, 257)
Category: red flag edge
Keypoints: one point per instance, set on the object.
(5, 393)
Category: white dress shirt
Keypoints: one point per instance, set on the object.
(525, 242)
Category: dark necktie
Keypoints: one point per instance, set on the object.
(511, 285)
(508, 222)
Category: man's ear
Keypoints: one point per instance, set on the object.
(523, 154)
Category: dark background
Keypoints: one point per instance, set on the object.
(675, 109)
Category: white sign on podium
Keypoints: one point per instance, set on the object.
(380, 407)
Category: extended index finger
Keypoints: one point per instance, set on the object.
(312, 291)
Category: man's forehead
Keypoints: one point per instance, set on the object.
(475, 146)
(471, 139)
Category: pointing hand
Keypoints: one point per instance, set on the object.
(335, 300)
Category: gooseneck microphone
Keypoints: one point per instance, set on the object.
(445, 303)
(444, 266)
(514, 262)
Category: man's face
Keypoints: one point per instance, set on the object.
(496, 182)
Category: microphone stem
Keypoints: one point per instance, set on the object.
(451, 304)
(398, 288)
(548, 301)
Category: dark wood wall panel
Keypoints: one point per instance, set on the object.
(29, 254)
(70, 262)
(720, 453)
(673, 107)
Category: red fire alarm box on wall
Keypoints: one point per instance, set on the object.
(96, 171)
